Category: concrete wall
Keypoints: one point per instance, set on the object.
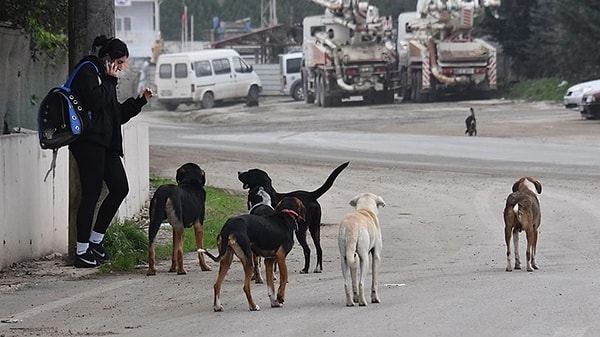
(33, 213)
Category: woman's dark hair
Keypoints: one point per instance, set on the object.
(114, 47)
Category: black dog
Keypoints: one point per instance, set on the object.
(255, 177)
(471, 123)
(270, 236)
(183, 206)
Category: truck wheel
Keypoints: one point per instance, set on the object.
(325, 97)
(417, 87)
(298, 92)
(309, 97)
(252, 98)
(318, 95)
(208, 100)
(388, 96)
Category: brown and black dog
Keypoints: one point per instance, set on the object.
(255, 177)
(269, 236)
(183, 206)
(522, 213)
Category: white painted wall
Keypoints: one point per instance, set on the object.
(33, 213)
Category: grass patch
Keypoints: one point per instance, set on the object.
(544, 89)
(127, 242)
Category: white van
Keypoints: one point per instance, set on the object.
(205, 77)
(291, 79)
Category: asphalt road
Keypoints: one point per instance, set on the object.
(444, 256)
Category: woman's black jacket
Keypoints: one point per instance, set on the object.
(98, 93)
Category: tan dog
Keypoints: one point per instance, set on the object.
(522, 213)
(360, 235)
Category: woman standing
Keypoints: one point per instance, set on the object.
(98, 152)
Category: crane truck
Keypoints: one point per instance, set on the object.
(438, 54)
(348, 51)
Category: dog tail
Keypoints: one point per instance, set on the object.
(158, 210)
(329, 182)
(212, 257)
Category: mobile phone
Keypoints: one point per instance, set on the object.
(106, 59)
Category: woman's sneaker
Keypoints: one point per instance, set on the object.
(99, 252)
(85, 260)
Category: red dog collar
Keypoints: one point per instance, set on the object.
(291, 213)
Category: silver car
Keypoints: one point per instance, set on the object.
(572, 99)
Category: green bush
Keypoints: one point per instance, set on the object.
(544, 89)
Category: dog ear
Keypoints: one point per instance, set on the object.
(515, 186)
(538, 185)
(380, 202)
(354, 201)
(301, 209)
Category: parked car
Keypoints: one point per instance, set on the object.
(590, 104)
(291, 80)
(574, 94)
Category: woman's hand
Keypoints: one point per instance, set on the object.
(111, 69)
(147, 93)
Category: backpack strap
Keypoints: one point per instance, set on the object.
(52, 165)
(72, 76)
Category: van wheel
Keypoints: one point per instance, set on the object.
(252, 98)
(208, 100)
(298, 92)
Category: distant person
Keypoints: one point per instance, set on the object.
(99, 150)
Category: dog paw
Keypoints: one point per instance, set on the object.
(318, 270)
(151, 272)
(275, 304)
(218, 308)
(508, 269)
(183, 272)
(304, 271)
(255, 308)
(349, 304)
(375, 300)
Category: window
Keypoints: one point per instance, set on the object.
(316, 29)
(181, 70)
(240, 66)
(123, 24)
(221, 66)
(165, 71)
(202, 68)
(293, 65)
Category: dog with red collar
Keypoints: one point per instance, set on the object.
(268, 236)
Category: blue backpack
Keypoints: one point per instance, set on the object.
(62, 118)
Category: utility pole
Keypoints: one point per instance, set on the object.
(87, 19)
(268, 13)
